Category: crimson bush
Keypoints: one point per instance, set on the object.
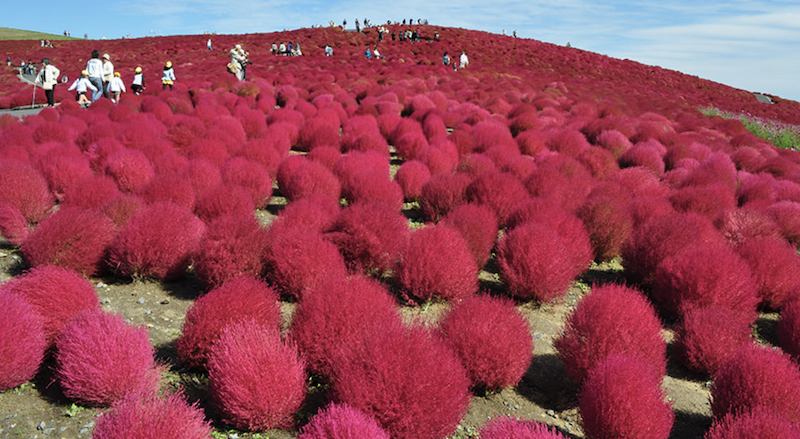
(90, 192)
(256, 381)
(223, 200)
(612, 319)
(478, 225)
(506, 427)
(310, 178)
(755, 423)
(254, 178)
(100, 358)
(170, 188)
(13, 225)
(24, 188)
(412, 176)
(240, 298)
(789, 328)
(231, 246)
(130, 169)
(707, 336)
(22, 340)
(499, 191)
(442, 193)
(776, 267)
(341, 421)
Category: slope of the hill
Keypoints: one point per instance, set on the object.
(7, 33)
(505, 67)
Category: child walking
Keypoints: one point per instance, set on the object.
(168, 78)
(138, 81)
(116, 87)
(81, 86)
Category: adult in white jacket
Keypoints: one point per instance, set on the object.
(48, 77)
(108, 74)
(116, 87)
(94, 68)
(81, 86)
(238, 64)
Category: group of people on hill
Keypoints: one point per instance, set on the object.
(286, 49)
(461, 63)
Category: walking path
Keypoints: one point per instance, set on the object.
(27, 110)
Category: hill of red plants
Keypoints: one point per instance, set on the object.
(403, 180)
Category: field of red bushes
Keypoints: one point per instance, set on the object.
(547, 243)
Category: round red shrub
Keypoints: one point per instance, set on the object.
(213, 150)
(789, 328)
(24, 188)
(297, 260)
(100, 358)
(339, 313)
(442, 193)
(711, 200)
(240, 298)
(121, 207)
(254, 178)
(607, 219)
(231, 246)
(664, 236)
(478, 225)
(492, 340)
(409, 145)
(256, 382)
(325, 155)
(310, 178)
(263, 152)
(22, 340)
(144, 414)
(318, 131)
(157, 242)
(62, 166)
(314, 212)
(708, 336)
(437, 263)
(787, 215)
(56, 293)
(90, 192)
(373, 186)
(72, 238)
(612, 319)
(757, 376)
(370, 236)
(535, 263)
(631, 407)
(130, 169)
(741, 224)
(412, 176)
(225, 199)
(776, 268)
(170, 189)
(755, 423)
(13, 226)
(408, 380)
(499, 191)
(701, 276)
(506, 427)
(341, 421)
(437, 160)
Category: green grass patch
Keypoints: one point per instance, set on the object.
(782, 135)
(7, 33)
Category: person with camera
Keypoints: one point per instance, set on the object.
(239, 61)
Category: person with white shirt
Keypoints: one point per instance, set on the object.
(94, 69)
(81, 86)
(48, 77)
(116, 87)
(464, 61)
(138, 85)
(108, 74)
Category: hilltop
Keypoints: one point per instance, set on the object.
(7, 33)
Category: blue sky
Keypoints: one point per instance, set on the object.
(749, 44)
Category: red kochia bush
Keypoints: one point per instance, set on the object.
(789, 328)
(622, 399)
(318, 131)
(24, 188)
(442, 193)
(740, 224)
(340, 312)
(232, 245)
(776, 267)
(478, 225)
(297, 260)
(707, 336)
(408, 380)
(755, 423)
(506, 427)
(341, 421)
(13, 226)
(22, 340)
(62, 166)
(145, 414)
(787, 215)
(664, 236)
(158, 241)
(254, 178)
(315, 212)
(72, 238)
(100, 358)
(757, 376)
(170, 188)
(56, 293)
(240, 298)
(375, 187)
(492, 340)
(130, 169)
(411, 176)
(90, 192)
(607, 219)
(225, 199)
(437, 263)
(256, 382)
(703, 276)
(310, 178)
(612, 319)
(499, 191)
(535, 263)
(370, 236)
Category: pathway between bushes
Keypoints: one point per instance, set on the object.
(27, 110)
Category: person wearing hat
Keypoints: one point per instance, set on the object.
(239, 61)
(94, 67)
(116, 87)
(48, 77)
(168, 77)
(108, 74)
(138, 81)
(81, 86)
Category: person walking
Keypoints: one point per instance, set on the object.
(108, 74)
(208, 44)
(168, 76)
(94, 69)
(116, 87)
(464, 61)
(81, 86)
(239, 61)
(138, 81)
(48, 77)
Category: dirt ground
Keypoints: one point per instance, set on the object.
(39, 410)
